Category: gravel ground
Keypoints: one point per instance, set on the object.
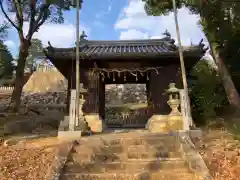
(221, 153)
(22, 164)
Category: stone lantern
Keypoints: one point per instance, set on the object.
(175, 121)
(174, 100)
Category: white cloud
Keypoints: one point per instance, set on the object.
(133, 34)
(10, 44)
(133, 16)
(60, 35)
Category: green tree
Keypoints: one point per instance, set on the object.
(6, 65)
(6, 59)
(4, 30)
(217, 24)
(35, 52)
(207, 92)
(36, 12)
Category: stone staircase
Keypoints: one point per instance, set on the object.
(123, 156)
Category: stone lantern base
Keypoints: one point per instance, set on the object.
(157, 123)
(95, 122)
(164, 123)
(175, 122)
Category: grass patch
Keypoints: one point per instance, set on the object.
(228, 123)
(233, 126)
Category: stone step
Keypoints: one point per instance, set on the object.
(153, 148)
(133, 166)
(147, 155)
(90, 149)
(130, 155)
(141, 141)
(86, 149)
(130, 139)
(179, 174)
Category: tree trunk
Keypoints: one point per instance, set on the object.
(19, 80)
(230, 89)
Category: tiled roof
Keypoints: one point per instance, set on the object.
(115, 47)
(103, 49)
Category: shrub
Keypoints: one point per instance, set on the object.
(206, 92)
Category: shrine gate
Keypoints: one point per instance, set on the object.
(152, 62)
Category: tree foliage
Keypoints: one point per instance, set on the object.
(6, 59)
(35, 52)
(220, 21)
(36, 12)
(207, 92)
(4, 30)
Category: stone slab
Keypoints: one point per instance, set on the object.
(95, 122)
(59, 161)
(196, 133)
(157, 123)
(195, 162)
(69, 135)
(64, 124)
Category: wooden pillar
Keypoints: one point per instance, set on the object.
(102, 99)
(90, 80)
(71, 85)
(148, 93)
(68, 95)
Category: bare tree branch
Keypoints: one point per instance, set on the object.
(32, 15)
(19, 16)
(16, 5)
(7, 17)
(42, 17)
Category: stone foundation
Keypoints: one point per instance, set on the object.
(175, 122)
(157, 123)
(64, 124)
(69, 135)
(164, 123)
(95, 122)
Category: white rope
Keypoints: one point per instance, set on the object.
(133, 72)
(119, 70)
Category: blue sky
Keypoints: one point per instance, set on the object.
(112, 20)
